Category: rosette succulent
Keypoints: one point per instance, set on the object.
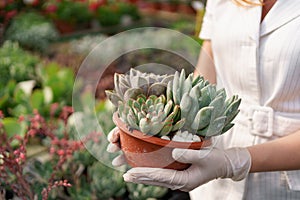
(152, 115)
(164, 105)
(129, 86)
(204, 108)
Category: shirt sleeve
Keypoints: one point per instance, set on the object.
(206, 28)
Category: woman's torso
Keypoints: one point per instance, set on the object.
(259, 61)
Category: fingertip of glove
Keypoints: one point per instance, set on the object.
(113, 135)
(119, 161)
(112, 148)
(127, 177)
(177, 153)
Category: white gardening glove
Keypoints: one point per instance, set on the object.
(207, 164)
(114, 146)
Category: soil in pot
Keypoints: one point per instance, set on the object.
(142, 150)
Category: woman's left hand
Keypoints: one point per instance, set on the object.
(207, 164)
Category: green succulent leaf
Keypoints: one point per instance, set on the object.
(168, 108)
(132, 93)
(227, 127)
(202, 118)
(215, 127)
(166, 129)
(113, 97)
(169, 91)
(157, 89)
(178, 125)
(185, 105)
(145, 125)
(218, 105)
(196, 80)
(232, 110)
(156, 127)
(132, 121)
(176, 89)
(187, 85)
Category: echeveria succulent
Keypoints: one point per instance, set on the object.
(129, 86)
(152, 115)
(204, 108)
(163, 104)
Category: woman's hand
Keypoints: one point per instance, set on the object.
(114, 146)
(207, 164)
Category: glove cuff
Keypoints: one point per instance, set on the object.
(240, 163)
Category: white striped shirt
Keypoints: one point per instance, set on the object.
(259, 61)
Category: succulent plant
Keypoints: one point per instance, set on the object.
(163, 104)
(129, 86)
(106, 183)
(146, 192)
(152, 115)
(204, 108)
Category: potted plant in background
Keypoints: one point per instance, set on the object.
(149, 5)
(185, 6)
(69, 15)
(108, 15)
(112, 14)
(156, 113)
(169, 6)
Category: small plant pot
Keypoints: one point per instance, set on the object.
(142, 150)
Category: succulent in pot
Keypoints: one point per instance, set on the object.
(156, 113)
(205, 109)
(129, 86)
(153, 115)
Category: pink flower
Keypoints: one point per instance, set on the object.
(95, 5)
(21, 118)
(31, 2)
(52, 150)
(32, 132)
(60, 152)
(18, 137)
(22, 156)
(51, 9)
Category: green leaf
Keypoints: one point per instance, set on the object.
(178, 125)
(202, 118)
(227, 127)
(12, 126)
(20, 97)
(37, 99)
(215, 127)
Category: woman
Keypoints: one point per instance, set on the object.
(256, 51)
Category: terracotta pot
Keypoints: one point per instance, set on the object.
(141, 150)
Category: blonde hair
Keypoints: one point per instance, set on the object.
(248, 3)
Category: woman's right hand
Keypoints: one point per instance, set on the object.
(114, 146)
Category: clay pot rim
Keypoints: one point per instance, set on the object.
(158, 141)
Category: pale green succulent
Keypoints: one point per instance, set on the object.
(152, 115)
(204, 108)
(146, 192)
(129, 86)
(191, 104)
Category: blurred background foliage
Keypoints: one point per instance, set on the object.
(43, 43)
